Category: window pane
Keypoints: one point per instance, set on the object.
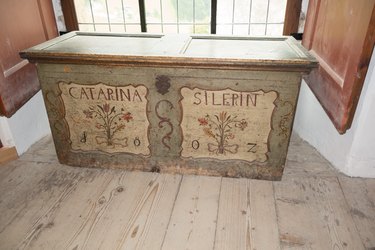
(259, 11)
(224, 11)
(224, 29)
(240, 29)
(117, 28)
(186, 29)
(86, 27)
(115, 11)
(202, 11)
(99, 10)
(102, 27)
(83, 10)
(277, 11)
(153, 14)
(154, 28)
(131, 9)
(169, 8)
(133, 28)
(274, 29)
(185, 11)
(170, 28)
(202, 29)
(241, 11)
(257, 29)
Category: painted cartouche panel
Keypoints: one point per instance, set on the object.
(106, 118)
(226, 124)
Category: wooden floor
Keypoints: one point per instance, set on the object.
(45, 205)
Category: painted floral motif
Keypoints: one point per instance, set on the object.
(221, 130)
(109, 122)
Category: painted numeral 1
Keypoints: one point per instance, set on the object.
(83, 137)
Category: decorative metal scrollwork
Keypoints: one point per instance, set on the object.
(163, 84)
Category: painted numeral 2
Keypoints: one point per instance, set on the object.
(252, 147)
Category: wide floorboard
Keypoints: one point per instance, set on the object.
(46, 205)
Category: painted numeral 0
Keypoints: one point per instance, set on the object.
(137, 142)
(195, 144)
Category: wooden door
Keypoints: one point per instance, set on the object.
(341, 35)
(23, 23)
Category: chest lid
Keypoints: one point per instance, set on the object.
(192, 51)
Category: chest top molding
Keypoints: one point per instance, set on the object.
(176, 51)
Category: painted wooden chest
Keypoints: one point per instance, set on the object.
(208, 105)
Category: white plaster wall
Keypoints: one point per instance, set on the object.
(302, 17)
(28, 125)
(361, 160)
(5, 133)
(59, 16)
(352, 153)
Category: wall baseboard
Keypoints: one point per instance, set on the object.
(8, 154)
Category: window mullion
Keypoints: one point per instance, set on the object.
(142, 15)
(251, 6)
(92, 15)
(161, 17)
(213, 16)
(234, 6)
(178, 18)
(123, 14)
(268, 10)
(108, 19)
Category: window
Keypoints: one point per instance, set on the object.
(108, 15)
(178, 16)
(250, 17)
(227, 17)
